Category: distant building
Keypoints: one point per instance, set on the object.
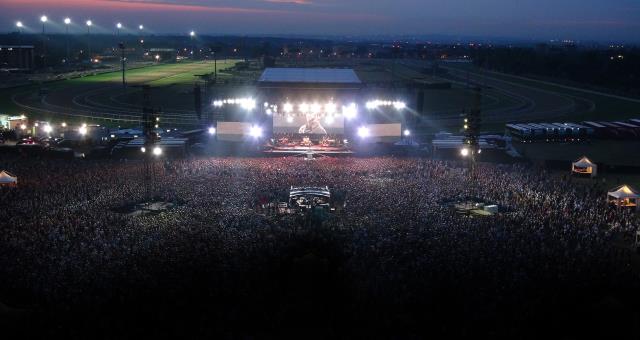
(16, 57)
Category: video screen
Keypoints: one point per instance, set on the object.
(309, 124)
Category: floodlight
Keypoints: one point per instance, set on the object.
(143, 149)
(363, 132)
(157, 151)
(329, 119)
(399, 105)
(464, 152)
(44, 18)
(212, 130)
(83, 130)
(330, 108)
(288, 108)
(67, 21)
(289, 119)
(141, 27)
(304, 107)
(47, 128)
(19, 24)
(23, 126)
(119, 25)
(192, 33)
(89, 23)
(255, 131)
(407, 133)
(315, 108)
(350, 111)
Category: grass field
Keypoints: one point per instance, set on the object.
(102, 96)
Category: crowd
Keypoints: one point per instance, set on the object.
(395, 259)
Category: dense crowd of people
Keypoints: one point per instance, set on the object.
(397, 258)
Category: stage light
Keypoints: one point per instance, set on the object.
(47, 128)
(363, 132)
(157, 151)
(329, 119)
(350, 111)
(212, 130)
(266, 104)
(143, 149)
(248, 104)
(330, 108)
(304, 108)
(19, 24)
(67, 21)
(407, 133)
(315, 108)
(399, 105)
(44, 18)
(288, 108)
(464, 152)
(255, 131)
(269, 112)
(289, 119)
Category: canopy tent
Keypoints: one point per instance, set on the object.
(584, 166)
(8, 180)
(624, 196)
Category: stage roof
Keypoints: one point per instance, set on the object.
(309, 76)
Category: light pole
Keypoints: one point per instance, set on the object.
(89, 24)
(192, 34)
(44, 19)
(118, 27)
(19, 26)
(67, 22)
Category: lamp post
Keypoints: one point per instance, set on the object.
(89, 24)
(44, 19)
(118, 27)
(19, 26)
(67, 22)
(192, 34)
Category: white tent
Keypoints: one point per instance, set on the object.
(624, 196)
(6, 179)
(584, 166)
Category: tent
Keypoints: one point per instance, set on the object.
(8, 180)
(584, 166)
(624, 196)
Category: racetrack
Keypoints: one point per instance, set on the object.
(101, 98)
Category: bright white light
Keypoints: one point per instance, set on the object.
(248, 104)
(399, 105)
(143, 149)
(363, 132)
(44, 18)
(288, 108)
(315, 108)
(464, 152)
(47, 128)
(157, 57)
(82, 130)
(266, 104)
(329, 119)
(89, 23)
(350, 111)
(192, 33)
(119, 25)
(67, 21)
(269, 112)
(255, 131)
(330, 108)
(289, 119)
(23, 126)
(304, 108)
(217, 103)
(64, 124)
(407, 133)
(141, 27)
(212, 130)
(157, 151)
(19, 24)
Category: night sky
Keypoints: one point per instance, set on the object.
(602, 20)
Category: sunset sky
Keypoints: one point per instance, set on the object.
(604, 20)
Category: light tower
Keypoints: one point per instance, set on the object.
(43, 20)
(89, 24)
(67, 22)
(118, 28)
